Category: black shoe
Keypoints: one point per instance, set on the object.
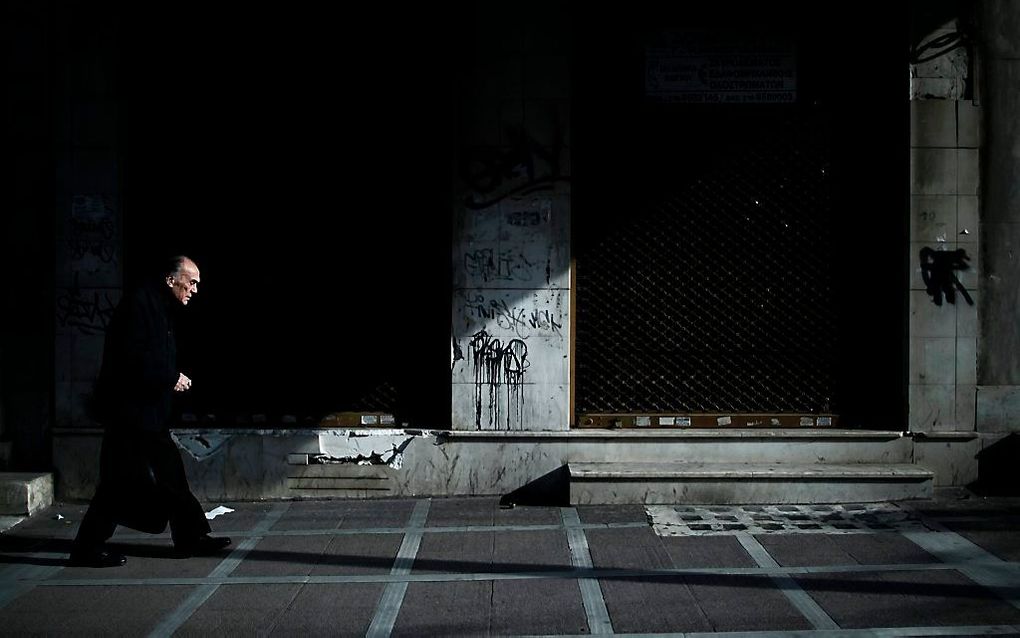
(202, 546)
(96, 558)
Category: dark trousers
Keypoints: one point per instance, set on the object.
(142, 485)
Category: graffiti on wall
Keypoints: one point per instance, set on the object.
(91, 237)
(510, 265)
(499, 367)
(85, 303)
(521, 321)
(86, 312)
(524, 166)
(506, 265)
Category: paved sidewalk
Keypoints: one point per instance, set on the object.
(424, 567)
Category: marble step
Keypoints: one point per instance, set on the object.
(25, 493)
(731, 483)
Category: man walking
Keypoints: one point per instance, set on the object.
(142, 484)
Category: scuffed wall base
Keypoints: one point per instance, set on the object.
(242, 465)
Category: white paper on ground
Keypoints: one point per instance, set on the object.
(213, 513)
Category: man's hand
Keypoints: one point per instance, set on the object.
(183, 383)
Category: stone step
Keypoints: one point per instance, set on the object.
(714, 445)
(25, 493)
(717, 483)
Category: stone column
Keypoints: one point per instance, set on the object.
(945, 140)
(88, 270)
(510, 349)
(998, 397)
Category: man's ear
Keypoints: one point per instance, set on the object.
(170, 281)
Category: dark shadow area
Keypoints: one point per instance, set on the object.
(552, 489)
(938, 270)
(707, 174)
(305, 164)
(997, 468)
(815, 582)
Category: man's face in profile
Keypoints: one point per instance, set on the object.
(185, 283)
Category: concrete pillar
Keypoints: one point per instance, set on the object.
(998, 377)
(510, 350)
(944, 159)
(87, 223)
(88, 237)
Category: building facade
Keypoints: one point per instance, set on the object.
(717, 254)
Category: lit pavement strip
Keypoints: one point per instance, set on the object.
(16, 580)
(591, 592)
(804, 603)
(977, 564)
(183, 612)
(393, 596)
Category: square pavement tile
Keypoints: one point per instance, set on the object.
(377, 513)
(286, 610)
(698, 603)
(537, 607)
(455, 552)
(906, 599)
(612, 513)
(637, 548)
(327, 609)
(356, 554)
(706, 551)
(90, 610)
(310, 515)
(283, 556)
(803, 550)
(747, 602)
(248, 610)
(457, 512)
(663, 605)
(445, 609)
(541, 550)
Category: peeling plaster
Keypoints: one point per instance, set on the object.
(363, 447)
(943, 71)
(366, 447)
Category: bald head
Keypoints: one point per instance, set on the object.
(182, 277)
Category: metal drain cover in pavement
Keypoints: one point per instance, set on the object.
(704, 520)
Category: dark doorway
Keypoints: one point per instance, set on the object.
(744, 258)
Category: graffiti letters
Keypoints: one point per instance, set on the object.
(523, 322)
(506, 266)
(524, 218)
(544, 320)
(499, 365)
(522, 167)
(80, 248)
(89, 313)
(92, 233)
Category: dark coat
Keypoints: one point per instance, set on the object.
(136, 382)
(142, 482)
